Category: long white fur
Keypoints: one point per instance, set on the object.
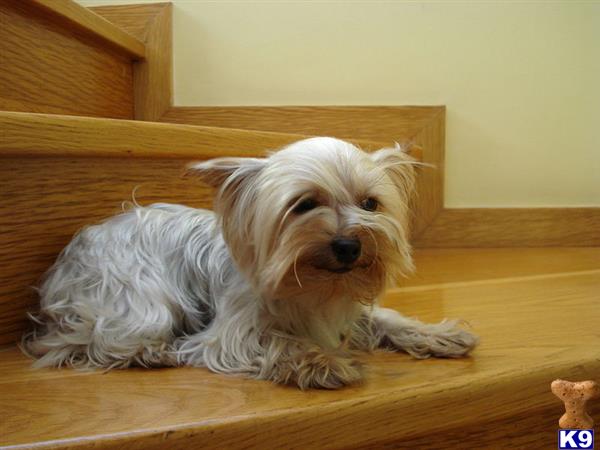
(246, 289)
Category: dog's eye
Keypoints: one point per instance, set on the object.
(305, 205)
(369, 204)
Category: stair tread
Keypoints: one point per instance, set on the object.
(34, 134)
(95, 24)
(536, 323)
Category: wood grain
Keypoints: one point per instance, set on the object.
(135, 19)
(452, 266)
(422, 125)
(387, 123)
(502, 389)
(535, 429)
(152, 77)
(52, 68)
(29, 135)
(513, 227)
(91, 23)
(429, 201)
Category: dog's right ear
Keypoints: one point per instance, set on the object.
(221, 172)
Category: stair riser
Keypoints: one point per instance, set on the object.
(51, 67)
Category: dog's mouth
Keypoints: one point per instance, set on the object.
(340, 270)
(327, 268)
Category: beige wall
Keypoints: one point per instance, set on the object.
(521, 81)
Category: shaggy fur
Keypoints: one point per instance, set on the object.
(253, 288)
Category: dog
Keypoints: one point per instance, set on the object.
(279, 283)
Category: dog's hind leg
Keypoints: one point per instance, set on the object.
(99, 342)
(90, 321)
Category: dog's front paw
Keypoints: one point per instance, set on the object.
(448, 340)
(443, 340)
(315, 369)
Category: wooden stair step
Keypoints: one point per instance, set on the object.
(31, 134)
(536, 324)
(153, 77)
(94, 24)
(61, 58)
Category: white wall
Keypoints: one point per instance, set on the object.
(521, 81)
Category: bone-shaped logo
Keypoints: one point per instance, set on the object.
(575, 395)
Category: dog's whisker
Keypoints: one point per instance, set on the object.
(295, 271)
(370, 232)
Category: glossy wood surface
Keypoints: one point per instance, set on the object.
(538, 321)
(446, 267)
(513, 227)
(54, 67)
(393, 123)
(42, 135)
(92, 23)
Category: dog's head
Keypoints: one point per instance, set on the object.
(319, 217)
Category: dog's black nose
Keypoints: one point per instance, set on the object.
(346, 250)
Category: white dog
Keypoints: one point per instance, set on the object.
(280, 283)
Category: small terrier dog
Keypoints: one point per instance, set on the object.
(279, 283)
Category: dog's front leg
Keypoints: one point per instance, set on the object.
(445, 339)
(310, 366)
(269, 355)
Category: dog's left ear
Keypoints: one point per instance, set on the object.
(215, 172)
(399, 166)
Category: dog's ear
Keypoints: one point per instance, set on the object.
(216, 172)
(399, 166)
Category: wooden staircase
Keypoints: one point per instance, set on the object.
(86, 120)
